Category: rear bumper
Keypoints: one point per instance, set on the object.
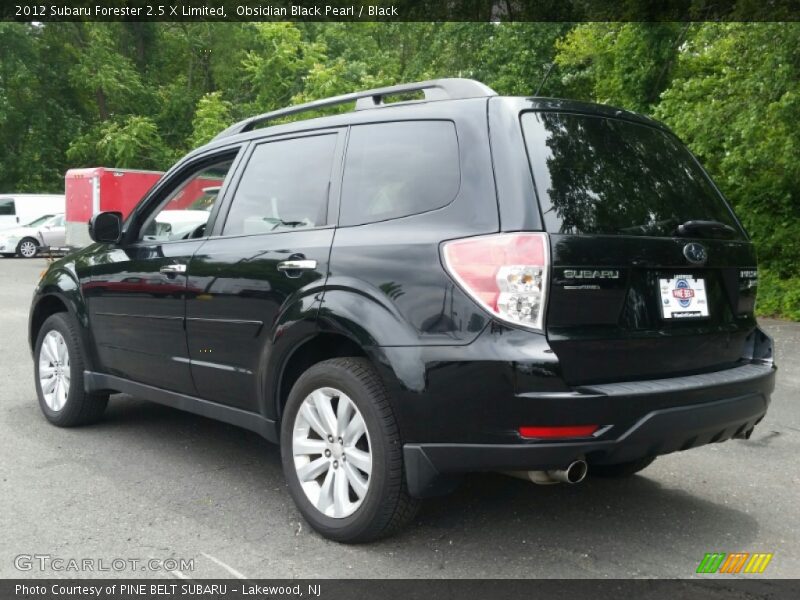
(724, 404)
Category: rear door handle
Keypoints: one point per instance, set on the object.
(173, 269)
(297, 265)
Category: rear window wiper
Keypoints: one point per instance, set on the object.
(705, 229)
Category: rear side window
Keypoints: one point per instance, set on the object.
(7, 206)
(598, 175)
(398, 169)
(284, 187)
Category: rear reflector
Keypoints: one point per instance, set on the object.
(505, 273)
(565, 431)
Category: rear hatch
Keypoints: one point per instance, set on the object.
(651, 273)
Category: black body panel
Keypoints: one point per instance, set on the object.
(612, 329)
(227, 414)
(235, 299)
(388, 275)
(431, 466)
(137, 312)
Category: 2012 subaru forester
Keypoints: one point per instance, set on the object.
(413, 290)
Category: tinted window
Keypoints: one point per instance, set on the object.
(7, 206)
(609, 176)
(398, 169)
(284, 187)
(184, 212)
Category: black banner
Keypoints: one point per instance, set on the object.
(402, 10)
(390, 589)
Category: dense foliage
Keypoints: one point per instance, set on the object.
(141, 94)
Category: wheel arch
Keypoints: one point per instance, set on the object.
(314, 349)
(59, 292)
(347, 320)
(46, 307)
(394, 369)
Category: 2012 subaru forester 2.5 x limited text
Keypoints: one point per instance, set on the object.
(412, 290)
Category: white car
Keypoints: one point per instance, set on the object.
(18, 209)
(47, 231)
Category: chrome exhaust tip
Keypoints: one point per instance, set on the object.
(574, 473)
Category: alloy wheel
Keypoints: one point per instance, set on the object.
(332, 452)
(54, 373)
(27, 249)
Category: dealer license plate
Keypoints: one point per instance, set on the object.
(683, 297)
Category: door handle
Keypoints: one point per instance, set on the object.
(173, 269)
(297, 265)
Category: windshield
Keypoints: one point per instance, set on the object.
(39, 221)
(597, 175)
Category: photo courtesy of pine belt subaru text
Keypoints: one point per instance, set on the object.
(439, 281)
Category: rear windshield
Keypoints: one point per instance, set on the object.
(597, 175)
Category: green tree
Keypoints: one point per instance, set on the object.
(131, 142)
(735, 100)
(108, 78)
(213, 114)
(625, 64)
(276, 68)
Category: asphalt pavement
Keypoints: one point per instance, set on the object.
(150, 482)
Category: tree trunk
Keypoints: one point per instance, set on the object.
(102, 105)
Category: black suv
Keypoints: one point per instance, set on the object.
(416, 289)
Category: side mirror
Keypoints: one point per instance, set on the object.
(106, 227)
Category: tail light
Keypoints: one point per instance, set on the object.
(505, 273)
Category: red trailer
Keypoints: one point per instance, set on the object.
(93, 190)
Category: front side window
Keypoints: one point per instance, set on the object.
(598, 175)
(7, 207)
(399, 169)
(284, 187)
(183, 214)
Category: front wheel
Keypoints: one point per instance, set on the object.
(342, 454)
(59, 365)
(27, 248)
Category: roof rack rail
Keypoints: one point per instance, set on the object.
(434, 89)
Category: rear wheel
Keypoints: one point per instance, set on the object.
(625, 469)
(27, 248)
(59, 367)
(342, 454)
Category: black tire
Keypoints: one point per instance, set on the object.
(27, 241)
(80, 407)
(626, 469)
(387, 507)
